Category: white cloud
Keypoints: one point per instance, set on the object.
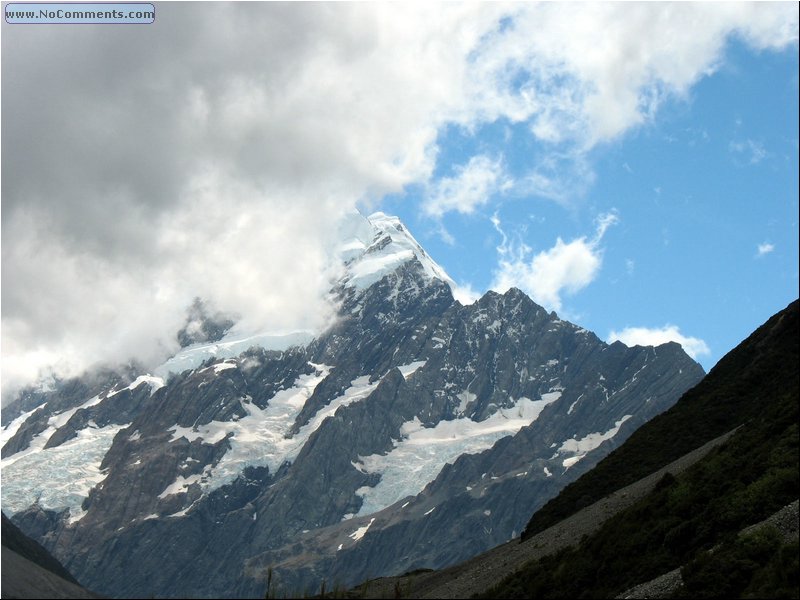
(644, 336)
(752, 151)
(593, 73)
(472, 186)
(466, 294)
(217, 160)
(547, 275)
(764, 249)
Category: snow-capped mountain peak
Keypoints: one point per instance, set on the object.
(374, 246)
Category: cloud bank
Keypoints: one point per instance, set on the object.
(210, 153)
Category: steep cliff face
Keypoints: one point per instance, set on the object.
(415, 432)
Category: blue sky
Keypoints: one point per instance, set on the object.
(706, 197)
(632, 166)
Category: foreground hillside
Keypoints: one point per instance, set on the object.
(591, 543)
(30, 571)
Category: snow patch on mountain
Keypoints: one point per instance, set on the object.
(580, 448)
(210, 433)
(361, 531)
(54, 423)
(418, 457)
(409, 369)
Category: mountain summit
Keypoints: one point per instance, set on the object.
(414, 432)
(374, 247)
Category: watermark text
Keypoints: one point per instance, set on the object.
(77, 13)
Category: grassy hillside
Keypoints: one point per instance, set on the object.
(744, 481)
(735, 391)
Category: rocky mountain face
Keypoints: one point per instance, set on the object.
(415, 432)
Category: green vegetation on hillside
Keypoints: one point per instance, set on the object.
(758, 565)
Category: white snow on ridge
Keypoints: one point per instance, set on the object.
(259, 439)
(210, 433)
(10, 430)
(223, 366)
(374, 267)
(231, 346)
(422, 453)
(551, 396)
(466, 397)
(580, 448)
(155, 383)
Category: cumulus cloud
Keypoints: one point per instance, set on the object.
(547, 275)
(589, 74)
(210, 153)
(644, 336)
(764, 249)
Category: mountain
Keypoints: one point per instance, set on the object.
(413, 433)
(700, 502)
(743, 384)
(702, 521)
